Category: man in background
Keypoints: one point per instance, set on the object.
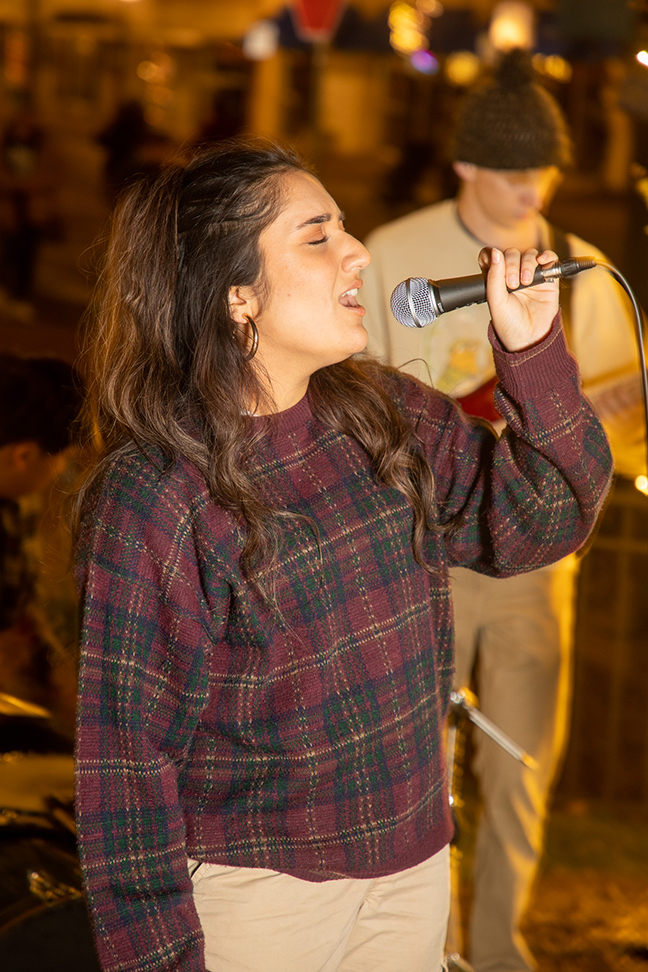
(511, 145)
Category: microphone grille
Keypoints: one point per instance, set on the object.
(413, 309)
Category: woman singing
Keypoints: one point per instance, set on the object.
(263, 554)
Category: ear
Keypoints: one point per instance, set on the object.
(243, 303)
(465, 170)
(23, 455)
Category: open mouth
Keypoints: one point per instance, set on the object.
(348, 298)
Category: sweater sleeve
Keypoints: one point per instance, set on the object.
(146, 631)
(532, 496)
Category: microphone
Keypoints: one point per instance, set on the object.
(416, 301)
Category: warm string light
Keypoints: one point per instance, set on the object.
(553, 66)
(157, 73)
(408, 28)
(512, 25)
(641, 483)
(462, 68)
(261, 40)
(409, 25)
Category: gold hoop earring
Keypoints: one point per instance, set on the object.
(255, 338)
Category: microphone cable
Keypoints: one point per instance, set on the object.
(638, 316)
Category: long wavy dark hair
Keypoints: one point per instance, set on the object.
(167, 367)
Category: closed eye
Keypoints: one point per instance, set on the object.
(323, 239)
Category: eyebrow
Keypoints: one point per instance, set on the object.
(322, 218)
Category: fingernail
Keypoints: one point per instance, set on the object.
(495, 256)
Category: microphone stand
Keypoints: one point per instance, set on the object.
(464, 701)
(463, 708)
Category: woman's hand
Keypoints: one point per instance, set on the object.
(523, 318)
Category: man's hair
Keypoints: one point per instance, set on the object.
(39, 401)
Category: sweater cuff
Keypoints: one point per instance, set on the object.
(537, 369)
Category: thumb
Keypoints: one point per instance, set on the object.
(493, 262)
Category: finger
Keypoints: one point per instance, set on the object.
(512, 261)
(484, 258)
(528, 266)
(496, 282)
(547, 256)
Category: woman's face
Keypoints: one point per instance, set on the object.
(309, 316)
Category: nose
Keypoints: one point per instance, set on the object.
(534, 194)
(356, 257)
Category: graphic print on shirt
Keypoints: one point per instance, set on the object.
(460, 360)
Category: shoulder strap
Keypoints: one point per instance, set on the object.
(560, 245)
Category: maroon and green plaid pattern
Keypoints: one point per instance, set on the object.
(306, 739)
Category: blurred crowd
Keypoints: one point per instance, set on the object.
(40, 398)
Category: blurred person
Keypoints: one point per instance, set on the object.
(510, 147)
(39, 401)
(226, 119)
(262, 556)
(133, 148)
(633, 99)
(27, 208)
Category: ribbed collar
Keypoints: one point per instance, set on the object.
(290, 420)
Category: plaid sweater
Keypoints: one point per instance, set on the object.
(306, 740)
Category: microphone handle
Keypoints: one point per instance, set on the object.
(447, 295)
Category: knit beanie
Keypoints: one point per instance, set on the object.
(509, 122)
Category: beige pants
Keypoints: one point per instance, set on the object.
(255, 920)
(522, 628)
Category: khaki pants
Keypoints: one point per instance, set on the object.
(256, 920)
(522, 628)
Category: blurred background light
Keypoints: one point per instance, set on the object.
(408, 28)
(641, 482)
(147, 71)
(157, 70)
(512, 25)
(553, 66)
(642, 57)
(431, 8)
(461, 68)
(261, 40)
(424, 61)
(16, 57)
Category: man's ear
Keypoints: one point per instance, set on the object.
(465, 170)
(243, 303)
(23, 455)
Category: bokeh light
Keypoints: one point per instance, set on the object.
(424, 61)
(553, 66)
(261, 40)
(461, 68)
(408, 28)
(431, 8)
(641, 482)
(512, 25)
